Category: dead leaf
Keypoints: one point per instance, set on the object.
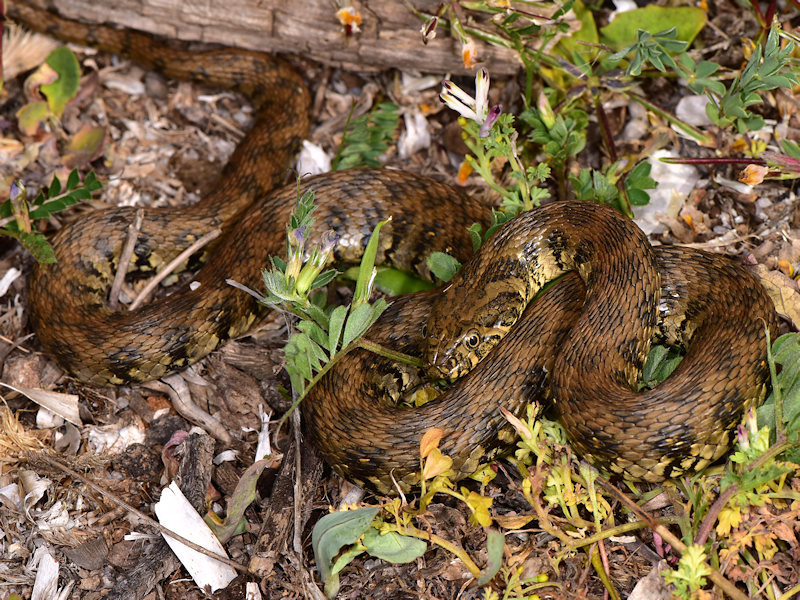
(30, 116)
(64, 405)
(513, 521)
(783, 291)
(84, 147)
(430, 441)
(10, 148)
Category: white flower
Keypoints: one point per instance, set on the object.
(477, 108)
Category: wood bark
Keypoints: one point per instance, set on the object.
(389, 38)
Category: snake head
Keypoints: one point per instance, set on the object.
(446, 357)
(455, 348)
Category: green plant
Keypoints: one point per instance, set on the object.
(322, 334)
(691, 573)
(590, 72)
(367, 138)
(740, 504)
(603, 186)
(17, 214)
(766, 70)
(58, 80)
(339, 537)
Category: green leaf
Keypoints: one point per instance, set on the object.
(314, 331)
(785, 352)
(392, 546)
(361, 317)
(791, 148)
(638, 197)
(661, 362)
(62, 90)
(570, 45)
(73, 179)
(705, 68)
(336, 530)
(324, 279)
(362, 292)
(276, 285)
(443, 265)
(55, 187)
(337, 318)
(475, 236)
(35, 243)
(319, 315)
(396, 282)
(691, 572)
(494, 550)
(367, 138)
(393, 281)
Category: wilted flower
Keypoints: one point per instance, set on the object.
(545, 111)
(350, 19)
(429, 29)
(469, 53)
(784, 161)
(477, 108)
(753, 174)
(296, 237)
(752, 421)
(329, 240)
(494, 112)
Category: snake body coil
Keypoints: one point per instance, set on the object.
(682, 424)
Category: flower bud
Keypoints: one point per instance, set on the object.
(494, 113)
(752, 421)
(742, 437)
(545, 111)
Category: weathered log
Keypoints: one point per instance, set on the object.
(389, 37)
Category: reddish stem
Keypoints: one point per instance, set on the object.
(715, 161)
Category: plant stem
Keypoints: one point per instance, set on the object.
(386, 352)
(459, 552)
(702, 138)
(597, 563)
(616, 530)
(713, 513)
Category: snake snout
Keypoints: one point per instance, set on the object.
(442, 365)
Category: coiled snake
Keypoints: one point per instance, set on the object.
(585, 355)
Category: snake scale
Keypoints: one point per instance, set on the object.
(581, 344)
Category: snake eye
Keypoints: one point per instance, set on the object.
(472, 341)
(424, 331)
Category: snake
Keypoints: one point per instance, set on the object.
(578, 347)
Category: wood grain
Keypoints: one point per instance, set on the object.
(389, 37)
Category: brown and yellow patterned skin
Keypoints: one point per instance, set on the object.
(586, 356)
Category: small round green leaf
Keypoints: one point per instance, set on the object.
(443, 265)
